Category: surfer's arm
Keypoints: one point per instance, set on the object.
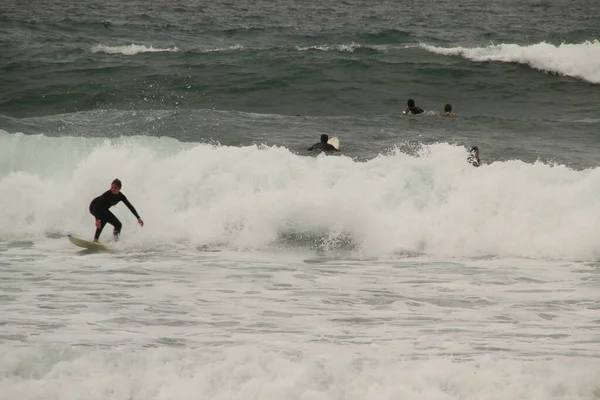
(132, 209)
(94, 211)
(474, 162)
(130, 206)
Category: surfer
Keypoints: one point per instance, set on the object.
(412, 109)
(474, 157)
(100, 205)
(447, 111)
(323, 145)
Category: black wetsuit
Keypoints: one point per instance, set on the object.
(414, 110)
(475, 161)
(322, 146)
(99, 209)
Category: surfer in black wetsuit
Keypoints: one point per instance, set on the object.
(100, 205)
(473, 158)
(412, 109)
(323, 145)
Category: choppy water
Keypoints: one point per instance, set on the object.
(180, 324)
(393, 270)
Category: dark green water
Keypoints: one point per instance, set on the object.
(523, 77)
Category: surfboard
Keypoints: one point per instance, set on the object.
(335, 142)
(77, 241)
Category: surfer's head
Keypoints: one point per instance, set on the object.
(447, 108)
(115, 186)
(475, 151)
(324, 138)
(411, 103)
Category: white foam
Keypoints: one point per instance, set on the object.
(247, 197)
(347, 48)
(130, 50)
(579, 60)
(346, 372)
(228, 48)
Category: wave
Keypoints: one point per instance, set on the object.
(311, 371)
(258, 196)
(344, 48)
(575, 60)
(134, 49)
(341, 48)
(235, 47)
(131, 49)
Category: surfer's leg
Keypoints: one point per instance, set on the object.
(114, 221)
(99, 230)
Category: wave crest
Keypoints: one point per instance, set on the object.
(131, 49)
(580, 61)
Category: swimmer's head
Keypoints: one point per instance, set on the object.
(115, 186)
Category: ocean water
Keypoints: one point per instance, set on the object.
(392, 270)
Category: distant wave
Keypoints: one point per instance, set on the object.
(349, 48)
(134, 49)
(228, 48)
(576, 60)
(129, 50)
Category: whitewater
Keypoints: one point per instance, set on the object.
(579, 60)
(266, 274)
(253, 197)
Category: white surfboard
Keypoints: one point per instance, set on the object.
(77, 241)
(335, 142)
